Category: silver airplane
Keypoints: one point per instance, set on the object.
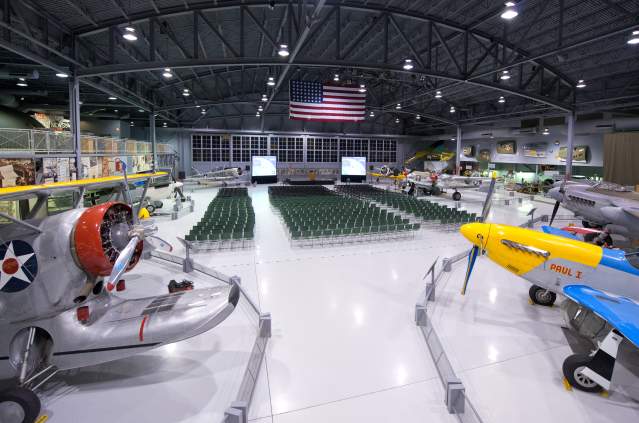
(432, 183)
(60, 276)
(216, 178)
(609, 206)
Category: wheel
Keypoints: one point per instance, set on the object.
(19, 405)
(585, 224)
(150, 208)
(456, 196)
(542, 296)
(572, 367)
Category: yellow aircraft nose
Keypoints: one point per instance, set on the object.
(477, 233)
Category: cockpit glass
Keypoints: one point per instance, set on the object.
(611, 186)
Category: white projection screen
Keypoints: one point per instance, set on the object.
(263, 166)
(354, 166)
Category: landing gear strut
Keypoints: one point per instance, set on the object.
(542, 296)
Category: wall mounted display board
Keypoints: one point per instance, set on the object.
(535, 150)
(353, 169)
(580, 154)
(15, 172)
(507, 147)
(55, 169)
(264, 169)
(484, 155)
(468, 151)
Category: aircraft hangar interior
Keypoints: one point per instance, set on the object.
(319, 211)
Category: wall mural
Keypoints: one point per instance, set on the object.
(507, 147)
(535, 149)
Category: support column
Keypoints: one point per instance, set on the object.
(74, 118)
(458, 151)
(569, 144)
(152, 138)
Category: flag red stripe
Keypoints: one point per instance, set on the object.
(324, 120)
(329, 109)
(326, 113)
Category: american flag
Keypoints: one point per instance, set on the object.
(326, 103)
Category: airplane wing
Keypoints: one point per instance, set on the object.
(620, 312)
(28, 191)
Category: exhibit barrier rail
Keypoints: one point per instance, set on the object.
(456, 400)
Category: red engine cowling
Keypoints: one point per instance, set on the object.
(100, 233)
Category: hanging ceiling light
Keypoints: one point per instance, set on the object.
(283, 51)
(257, 114)
(453, 139)
(510, 12)
(112, 98)
(167, 73)
(438, 94)
(22, 82)
(62, 75)
(398, 107)
(129, 34)
(396, 120)
(581, 84)
(141, 110)
(418, 117)
(164, 124)
(264, 98)
(362, 88)
(408, 64)
(501, 99)
(115, 110)
(197, 106)
(271, 81)
(452, 109)
(203, 111)
(634, 39)
(132, 124)
(505, 75)
(546, 131)
(186, 92)
(336, 77)
(372, 114)
(260, 108)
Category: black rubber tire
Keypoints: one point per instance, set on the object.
(572, 365)
(150, 208)
(541, 296)
(456, 196)
(26, 399)
(586, 224)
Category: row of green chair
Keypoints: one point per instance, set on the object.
(229, 216)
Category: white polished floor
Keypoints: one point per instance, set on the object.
(345, 347)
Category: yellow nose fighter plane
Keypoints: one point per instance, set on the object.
(599, 280)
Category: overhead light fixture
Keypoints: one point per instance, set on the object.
(22, 82)
(510, 12)
(259, 109)
(336, 77)
(398, 107)
(438, 94)
(372, 114)
(129, 34)
(581, 84)
(164, 124)
(141, 110)
(501, 99)
(453, 139)
(132, 124)
(418, 117)
(396, 120)
(452, 109)
(505, 75)
(115, 110)
(21, 98)
(546, 131)
(362, 88)
(167, 73)
(271, 81)
(283, 51)
(203, 111)
(111, 97)
(186, 92)
(197, 106)
(257, 114)
(634, 39)
(264, 98)
(61, 75)
(408, 64)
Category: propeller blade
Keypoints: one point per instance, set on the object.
(159, 243)
(122, 262)
(554, 212)
(472, 257)
(489, 195)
